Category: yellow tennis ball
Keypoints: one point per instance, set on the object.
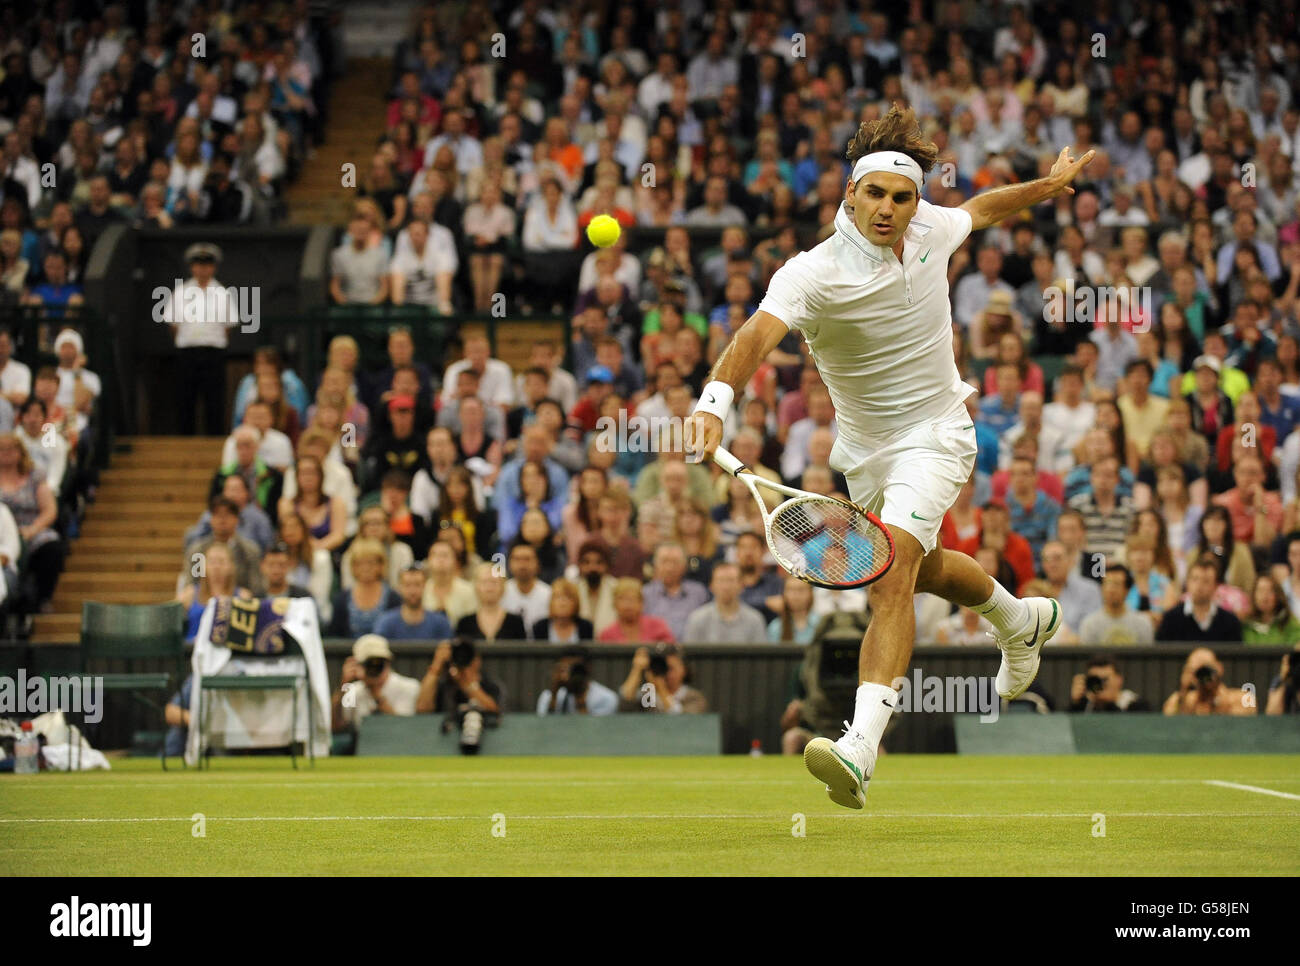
(603, 231)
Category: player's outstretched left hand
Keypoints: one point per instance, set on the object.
(1066, 169)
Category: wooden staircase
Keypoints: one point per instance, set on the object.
(129, 551)
(358, 106)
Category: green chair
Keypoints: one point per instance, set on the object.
(260, 682)
(130, 633)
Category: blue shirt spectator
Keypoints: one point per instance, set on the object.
(433, 626)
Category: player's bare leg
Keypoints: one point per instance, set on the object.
(1020, 627)
(845, 765)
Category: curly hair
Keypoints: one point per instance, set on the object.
(896, 131)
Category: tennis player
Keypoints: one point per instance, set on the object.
(872, 303)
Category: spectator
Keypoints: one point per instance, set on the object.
(659, 681)
(1199, 618)
(1270, 620)
(563, 625)
(1077, 595)
(1070, 415)
(1211, 408)
(489, 226)
(254, 524)
(491, 622)
(1106, 512)
(359, 272)
(796, 623)
(573, 691)
(821, 415)
(264, 483)
(964, 628)
(456, 687)
(326, 516)
(446, 590)
(423, 272)
(1284, 690)
(1201, 688)
(496, 381)
(760, 587)
(357, 610)
(631, 624)
(725, 619)
(595, 584)
(525, 595)
(275, 568)
(15, 377)
(223, 522)
(216, 578)
(1255, 513)
(310, 568)
(47, 448)
(1217, 539)
(1115, 622)
(669, 596)
(458, 508)
(1101, 688)
(410, 621)
(1001, 411)
(370, 686)
(1033, 513)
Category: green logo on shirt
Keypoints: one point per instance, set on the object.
(926, 519)
(925, 256)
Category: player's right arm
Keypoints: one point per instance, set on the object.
(736, 365)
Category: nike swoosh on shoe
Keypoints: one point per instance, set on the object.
(852, 767)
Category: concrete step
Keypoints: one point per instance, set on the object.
(131, 561)
(71, 603)
(88, 584)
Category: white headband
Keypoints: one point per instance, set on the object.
(892, 161)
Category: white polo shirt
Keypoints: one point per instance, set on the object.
(880, 331)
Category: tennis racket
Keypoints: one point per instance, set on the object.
(821, 540)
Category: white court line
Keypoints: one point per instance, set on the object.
(1253, 788)
(199, 782)
(780, 818)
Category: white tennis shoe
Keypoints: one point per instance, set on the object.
(844, 766)
(1022, 651)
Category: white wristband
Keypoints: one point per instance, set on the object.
(716, 399)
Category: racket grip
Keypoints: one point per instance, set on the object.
(728, 462)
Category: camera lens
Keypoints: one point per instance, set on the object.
(1095, 682)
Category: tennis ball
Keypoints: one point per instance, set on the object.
(603, 231)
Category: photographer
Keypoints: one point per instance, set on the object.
(371, 686)
(572, 690)
(1201, 689)
(1101, 688)
(455, 686)
(1284, 690)
(658, 680)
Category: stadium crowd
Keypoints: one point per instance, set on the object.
(114, 113)
(1135, 347)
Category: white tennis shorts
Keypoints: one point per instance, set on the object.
(910, 480)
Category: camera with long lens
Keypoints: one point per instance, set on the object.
(1206, 675)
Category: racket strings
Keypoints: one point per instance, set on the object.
(828, 541)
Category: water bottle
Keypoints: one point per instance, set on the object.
(756, 749)
(27, 752)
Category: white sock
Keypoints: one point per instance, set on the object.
(1004, 611)
(872, 709)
